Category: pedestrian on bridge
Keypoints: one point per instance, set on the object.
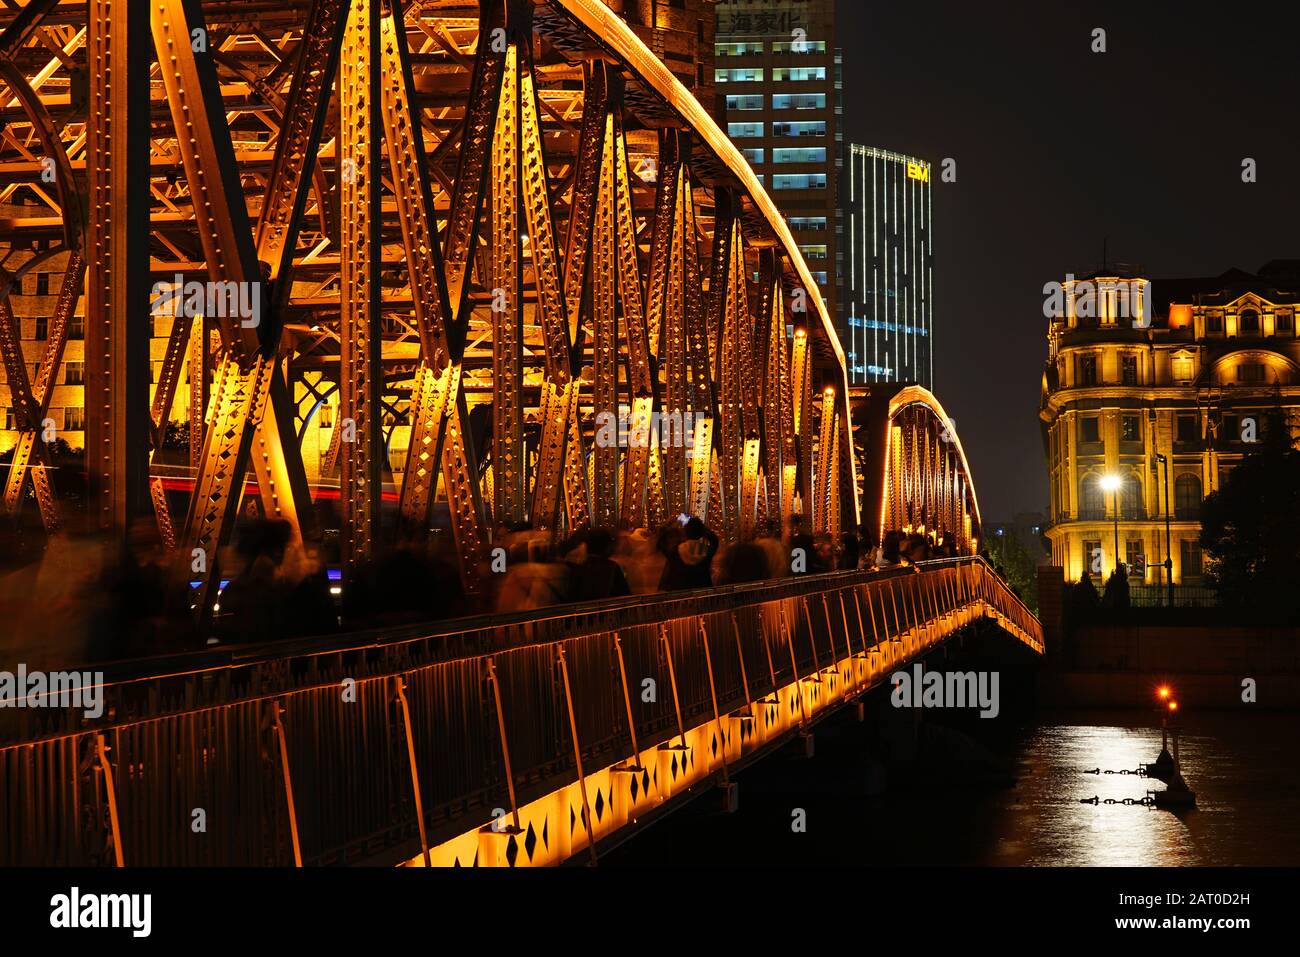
(598, 575)
(688, 550)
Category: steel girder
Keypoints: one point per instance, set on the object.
(914, 469)
(507, 230)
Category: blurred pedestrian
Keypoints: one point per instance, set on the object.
(598, 576)
(688, 550)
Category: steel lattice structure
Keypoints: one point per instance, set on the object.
(505, 230)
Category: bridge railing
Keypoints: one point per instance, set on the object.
(319, 752)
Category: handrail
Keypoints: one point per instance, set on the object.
(467, 715)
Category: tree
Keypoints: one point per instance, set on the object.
(1250, 527)
(1008, 553)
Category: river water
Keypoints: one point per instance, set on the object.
(1242, 766)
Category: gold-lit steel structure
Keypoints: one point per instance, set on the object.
(504, 230)
(520, 740)
(505, 234)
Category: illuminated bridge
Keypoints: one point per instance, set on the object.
(458, 268)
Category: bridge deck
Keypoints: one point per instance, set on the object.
(485, 741)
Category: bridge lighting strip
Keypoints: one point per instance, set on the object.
(609, 28)
(552, 825)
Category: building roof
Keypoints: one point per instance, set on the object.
(1277, 281)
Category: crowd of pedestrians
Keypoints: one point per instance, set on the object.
(279, 588)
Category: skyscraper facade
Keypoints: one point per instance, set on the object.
(776, 71)
(886, 316)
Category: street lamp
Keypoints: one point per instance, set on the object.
(1169, 554)
(1112, 483)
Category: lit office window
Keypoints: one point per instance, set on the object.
(799, 181)
(799, 154)
(737, 49)
(800, 46)
(798, 101)
(798, 74)
(740, 131)
(748, 101)
(744, 74)
(800, 128)
(808, 224)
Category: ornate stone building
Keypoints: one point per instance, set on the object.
(1155, 381)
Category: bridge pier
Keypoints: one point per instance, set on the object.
(805, 743)
(729, 791)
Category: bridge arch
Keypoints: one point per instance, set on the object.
(915, 474)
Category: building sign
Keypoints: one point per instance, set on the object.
(770, 19)
(918, 171)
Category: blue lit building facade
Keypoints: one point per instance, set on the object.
(886, 312)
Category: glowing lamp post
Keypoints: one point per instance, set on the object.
(1168, 707)
(1173, 709)
(1112, 483)
(1169, 554)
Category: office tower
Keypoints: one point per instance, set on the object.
(886, 322)
(777, 73)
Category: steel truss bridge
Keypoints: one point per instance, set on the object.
(491, 742)
(493, 229)
(496, 228)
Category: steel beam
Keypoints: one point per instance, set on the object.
(118, 52)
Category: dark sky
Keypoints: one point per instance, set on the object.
(1058, 148)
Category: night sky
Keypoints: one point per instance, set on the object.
(1058, 149)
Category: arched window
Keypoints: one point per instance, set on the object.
(1092, 500)
(1131, 502)
(1248, 323)
(1187, 496)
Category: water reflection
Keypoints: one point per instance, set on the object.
(1241, 767)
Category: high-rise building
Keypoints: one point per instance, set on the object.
(778, 97)
(886, 318)
(1152, 393)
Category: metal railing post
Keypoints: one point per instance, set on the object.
(110, 792)
(713, 693)
(399, 689)
(278, 725)
(505, 744)
(588, 822)
(627, 701)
